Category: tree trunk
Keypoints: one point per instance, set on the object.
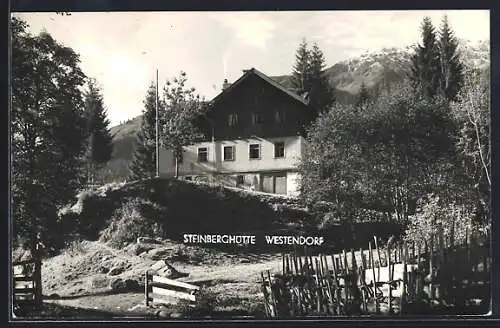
(176, 166)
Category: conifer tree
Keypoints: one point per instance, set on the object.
(321, 94)
(301, 70)
(100, 141)
(451, 75)
(144, 162)
(309, 80)
(364, 95)
(425, 70)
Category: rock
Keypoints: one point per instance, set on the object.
(170, 272)
(54, 296)
(131, 284)
(158, 253)
(244, 261)
(103, 269)
(138, 249)
(98, 282)
(114, 271)
(158, 265)
(118, 285)
(147, 240)
(176, 315)
(163, 314)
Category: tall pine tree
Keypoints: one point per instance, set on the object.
(309, 80)
(363, 97)
(144, 163)
(321, 93)
(301, 74)
(451, 75)
(100, 141)
(425, 70)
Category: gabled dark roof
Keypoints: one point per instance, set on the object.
(264, 77)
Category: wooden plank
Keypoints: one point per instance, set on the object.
(273, 299)
(404, 257)
(24, 297)
(23, 262)
(23, 284)
(159, 300)
(173, 293)
(146, 287)
(389, 300)
(23, 278)
(374, 281)
(264, 292)
(23, 290)
(171, 282)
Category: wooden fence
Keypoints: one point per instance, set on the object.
(161, 290)
(27, 283)
(429, 277)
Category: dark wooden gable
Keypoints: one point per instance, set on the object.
(261, 106)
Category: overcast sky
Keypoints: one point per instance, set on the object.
(122, 50)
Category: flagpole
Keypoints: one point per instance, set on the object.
(157, 143)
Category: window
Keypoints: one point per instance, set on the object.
(257, 118)
(279, 116)
(233, 119)
(202, 154)
(254, 151)
(239, 180)
(279, 150)
(228, 153)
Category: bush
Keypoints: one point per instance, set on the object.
(205, 305)
(434, 215)
(76, 247)
(135, 218)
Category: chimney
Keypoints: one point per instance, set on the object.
(225, 85)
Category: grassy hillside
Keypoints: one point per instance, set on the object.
(124, 136)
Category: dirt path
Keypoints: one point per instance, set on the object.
(75, 277)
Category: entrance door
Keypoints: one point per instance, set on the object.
(268, 183)
(280, 184)
(274, 183)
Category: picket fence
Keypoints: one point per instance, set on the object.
(436, 276)
(27, 283)
(161, 290)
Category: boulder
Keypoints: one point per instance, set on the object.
(118, 285)
(163, 314)
(176, 315)
(147, 240)
(158, 253)
(158, 265)
(170, 272)
(114, 271)
(138, 249)
(98, 282)
(131, 285)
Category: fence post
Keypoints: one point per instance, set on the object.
(37, 277)
(371, 257)
(404, 256)
(389, 299)
(146, 287)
